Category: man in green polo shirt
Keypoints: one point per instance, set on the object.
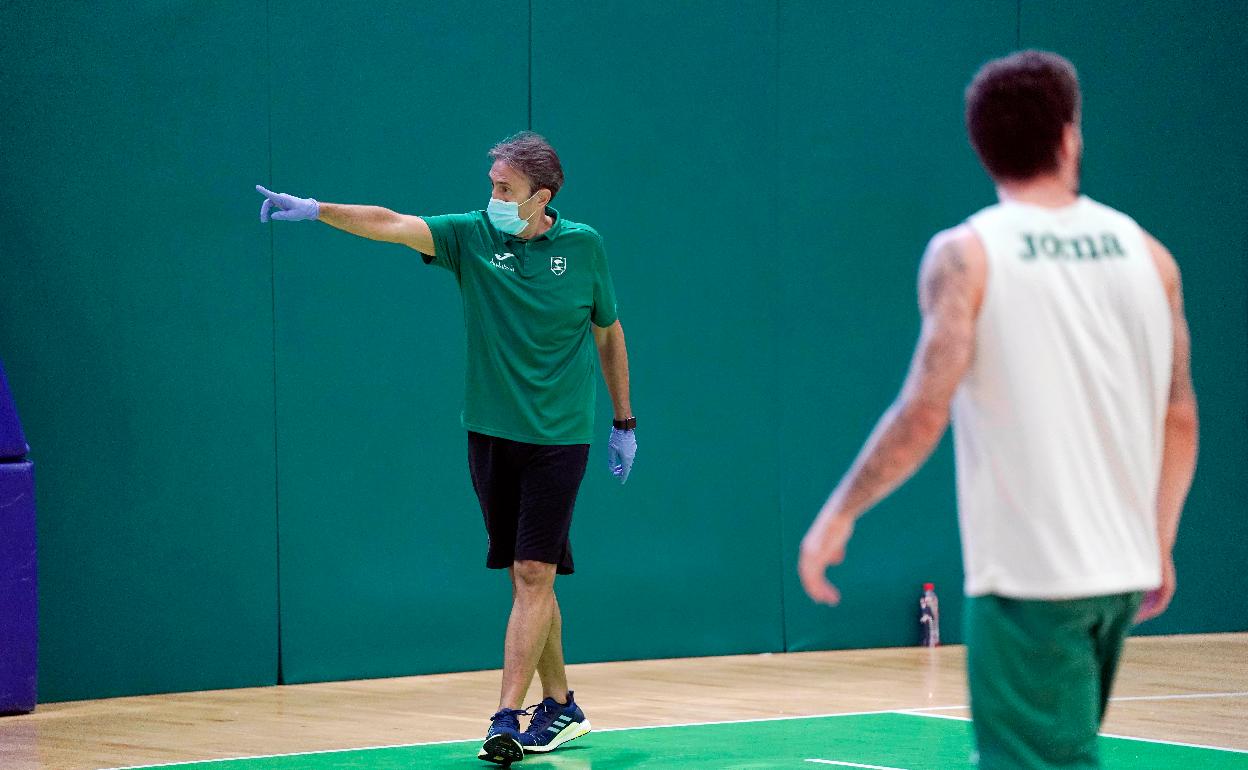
(538, 305)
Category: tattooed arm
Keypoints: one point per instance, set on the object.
(951, 286)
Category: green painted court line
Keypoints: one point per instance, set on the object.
(881, 739)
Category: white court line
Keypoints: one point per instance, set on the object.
(1182, 697)
(918, 713)
(1175, 743)
(921, 711)
(853, 764)
(1115, 699)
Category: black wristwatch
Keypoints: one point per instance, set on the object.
(628, 424)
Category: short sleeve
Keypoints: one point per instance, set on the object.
(449, 231)
(604, 312)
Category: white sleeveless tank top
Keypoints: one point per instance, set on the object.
(1059, 422)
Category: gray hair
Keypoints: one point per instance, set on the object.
(530, 154)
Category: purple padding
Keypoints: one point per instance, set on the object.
(12, 442)
(18, 598)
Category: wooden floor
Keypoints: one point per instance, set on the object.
(1190, 689)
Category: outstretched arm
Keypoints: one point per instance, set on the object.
(951, 285)
(379, 224)
(372, 222)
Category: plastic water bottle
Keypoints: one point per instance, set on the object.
(929, 616)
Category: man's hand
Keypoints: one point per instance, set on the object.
(1157, 600)
(289, 208)
(823, 547)
(621, 449)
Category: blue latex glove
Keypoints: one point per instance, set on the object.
(289, 208)
(621, 449)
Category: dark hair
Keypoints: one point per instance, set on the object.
(1016, 108)
(532, 155)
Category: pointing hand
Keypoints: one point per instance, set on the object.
(289, 208)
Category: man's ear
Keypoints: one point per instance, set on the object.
(1072, 140)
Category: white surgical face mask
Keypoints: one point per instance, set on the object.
(505, 215)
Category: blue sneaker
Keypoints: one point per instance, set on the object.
(502, 741)
(553, 725)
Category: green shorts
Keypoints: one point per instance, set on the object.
(1040, 674)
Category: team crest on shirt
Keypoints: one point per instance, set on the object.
(558, 265)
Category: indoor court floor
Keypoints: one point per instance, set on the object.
(1180, 702)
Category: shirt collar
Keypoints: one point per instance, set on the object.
(555, 227)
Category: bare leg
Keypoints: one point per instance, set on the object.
(533, 609)
(550, 670)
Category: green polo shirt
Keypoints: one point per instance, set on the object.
(528, 306)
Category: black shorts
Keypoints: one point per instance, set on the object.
(527, 493)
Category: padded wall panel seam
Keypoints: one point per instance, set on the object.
(664, 116)
(381, 541)
(138, 327)
(874, 161)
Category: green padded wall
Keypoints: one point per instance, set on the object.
(136, 328)
(873, 162)
(381, 539)
(249, 433)
(1160, 146)
(1165, 94)
(663, 114)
